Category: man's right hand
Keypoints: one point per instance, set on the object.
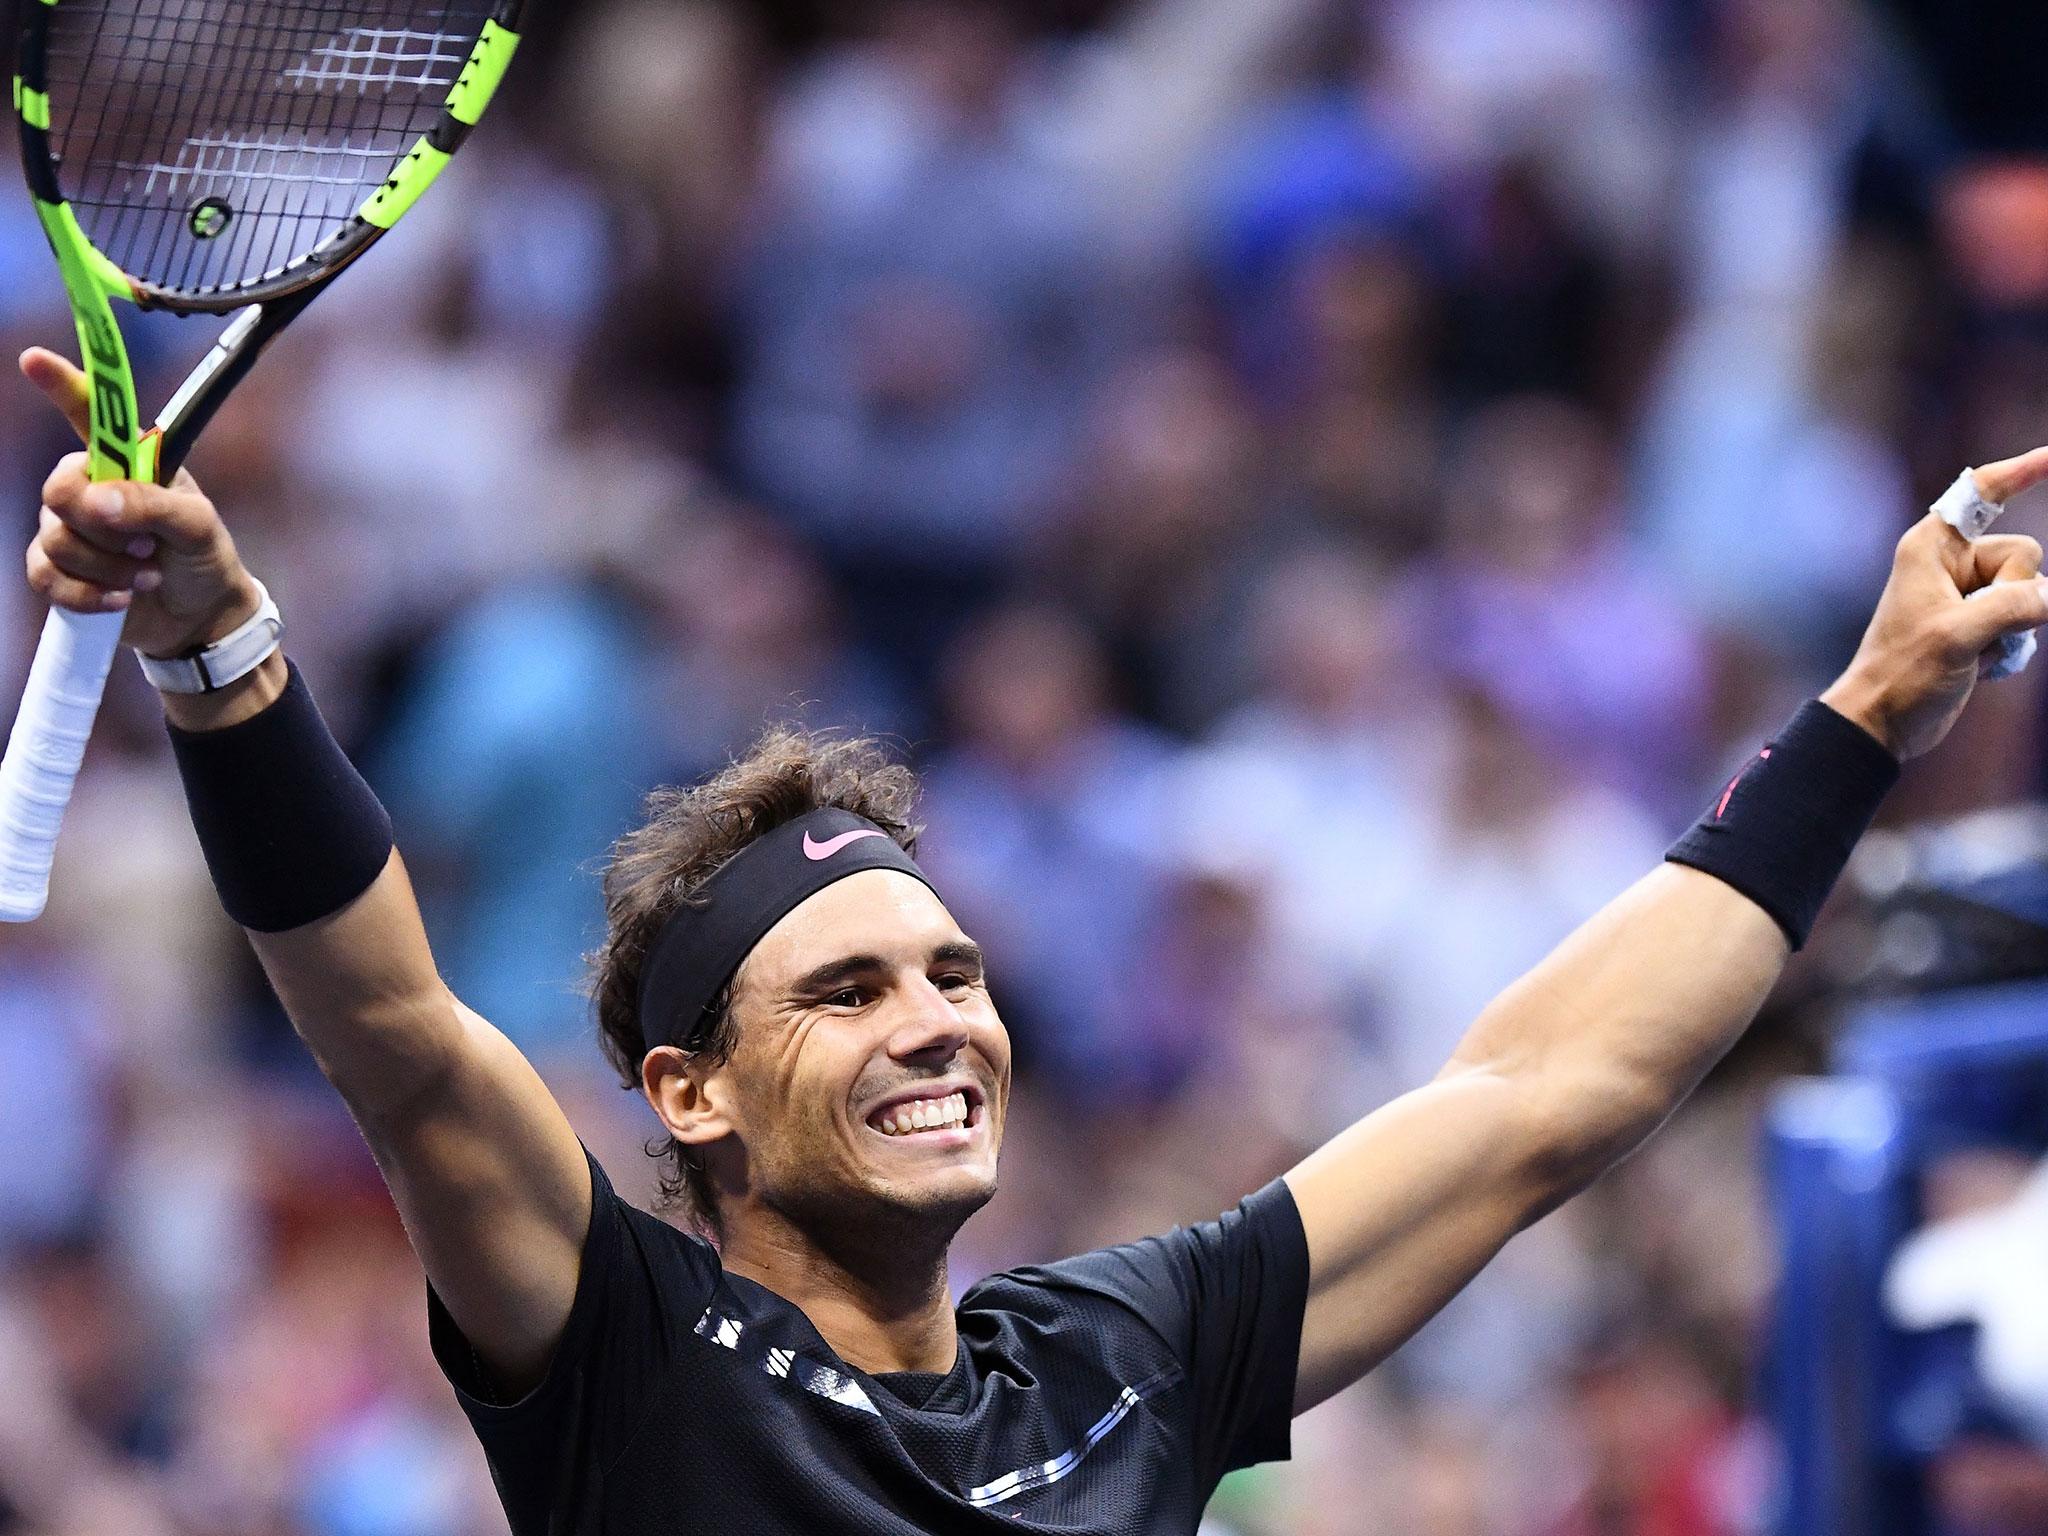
(158, 553)
(487, 1172)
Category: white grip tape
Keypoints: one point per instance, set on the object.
(58, 707)
(1965, 508)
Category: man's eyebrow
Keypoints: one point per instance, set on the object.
(960, 952)
(835, 973)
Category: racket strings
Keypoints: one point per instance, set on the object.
(210, 144)
(380, 56)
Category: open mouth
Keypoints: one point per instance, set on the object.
(939, 1116)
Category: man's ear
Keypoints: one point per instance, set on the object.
(688, 1094)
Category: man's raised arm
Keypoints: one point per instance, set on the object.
(1572, 1067)
(489, 1177)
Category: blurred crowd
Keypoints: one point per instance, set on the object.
(1325, 490)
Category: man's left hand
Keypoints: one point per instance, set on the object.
(1948, 605)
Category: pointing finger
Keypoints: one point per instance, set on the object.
(63, 385)
(2008, 478)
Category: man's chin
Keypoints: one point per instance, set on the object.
(948, 1195)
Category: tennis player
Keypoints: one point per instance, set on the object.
(821, 1040)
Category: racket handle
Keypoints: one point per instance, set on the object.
(44, 753)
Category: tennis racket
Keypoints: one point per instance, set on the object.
(209, 157)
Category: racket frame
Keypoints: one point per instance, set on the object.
(475, 86)
(54, 724)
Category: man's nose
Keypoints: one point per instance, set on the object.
(929, 1024)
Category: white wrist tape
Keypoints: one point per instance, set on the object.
(1964, 508)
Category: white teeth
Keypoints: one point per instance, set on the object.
(925, 1115)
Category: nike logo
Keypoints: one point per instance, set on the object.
(1722, 809)
(819, 852)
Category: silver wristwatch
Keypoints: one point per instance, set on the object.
(228, 660)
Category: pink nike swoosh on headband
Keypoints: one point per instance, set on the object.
(819, 852)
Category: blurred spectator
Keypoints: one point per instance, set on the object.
(1774, 506)
(522, 744)
(1157, 552)
(56, 1048)
(1666, 1459)
(1977, 1263)
(1048, 825)
(1364, 431)
(1541, 599)
(1306, 177)
(1968, 1284)
(748, 631)
(1771, 490)
(694, 68)
(918, 317)
(1531, 305)
(1316, 793)
(1477, 85)
(1325, 488)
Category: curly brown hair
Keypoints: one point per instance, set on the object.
(686, 838)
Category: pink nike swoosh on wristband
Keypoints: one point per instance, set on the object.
(1722, 809)
(819, 852)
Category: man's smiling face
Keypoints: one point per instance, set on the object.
(870, 1073)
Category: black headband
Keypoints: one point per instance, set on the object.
(702, 943)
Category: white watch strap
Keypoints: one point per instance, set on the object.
(228, 660)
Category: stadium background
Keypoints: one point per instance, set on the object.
(1324, 491)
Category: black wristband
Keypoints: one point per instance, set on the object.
(290, 831)
(1784, 828)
